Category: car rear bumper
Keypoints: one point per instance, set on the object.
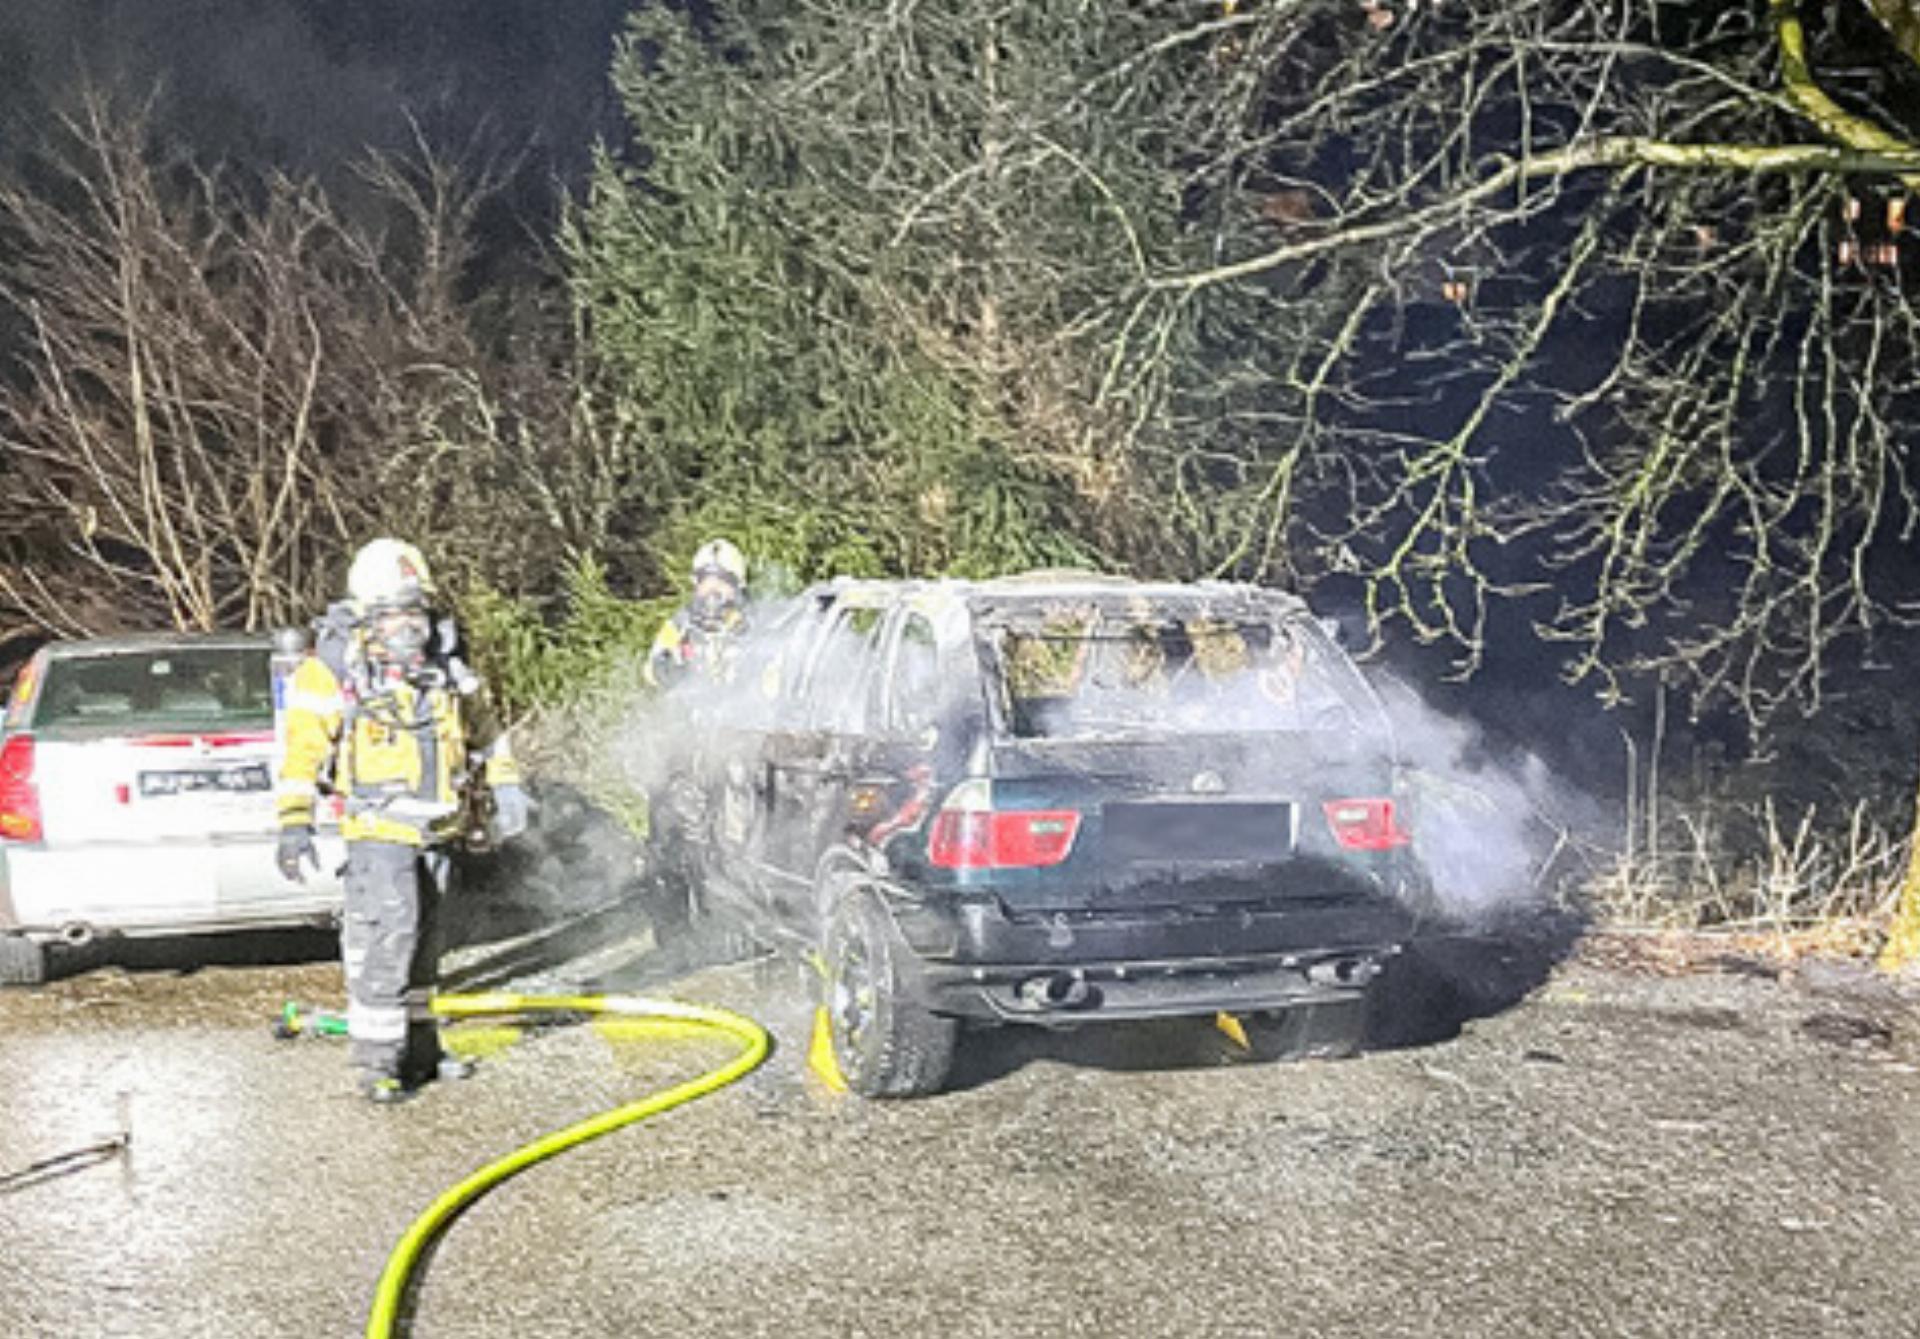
(1058, 996)
(970, 931)
(970, 960)
(155, 889)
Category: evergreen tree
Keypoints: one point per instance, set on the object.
(861, 280)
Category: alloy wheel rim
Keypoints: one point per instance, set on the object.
(853, 995)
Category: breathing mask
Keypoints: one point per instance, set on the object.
(713, 600)
(398, 636)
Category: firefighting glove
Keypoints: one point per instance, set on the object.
(511, 811)
(296, 845)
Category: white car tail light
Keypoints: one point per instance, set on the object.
(19, 793)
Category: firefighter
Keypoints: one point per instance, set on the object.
(702, 638)
(388, 717)
(700, 645)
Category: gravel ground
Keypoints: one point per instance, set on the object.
(1533, 1149)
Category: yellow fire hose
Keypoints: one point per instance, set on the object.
(754, 1045)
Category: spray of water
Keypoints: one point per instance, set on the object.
(623, 764)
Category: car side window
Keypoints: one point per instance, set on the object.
(784, 678)
(914, 693)
(840, 682)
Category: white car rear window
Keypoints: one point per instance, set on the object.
(180, 688)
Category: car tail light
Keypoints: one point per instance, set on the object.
(969, 833)
(19, 796)
(1365, 825)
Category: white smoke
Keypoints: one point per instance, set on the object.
(1491, 829)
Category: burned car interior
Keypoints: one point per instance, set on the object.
(1067, 671)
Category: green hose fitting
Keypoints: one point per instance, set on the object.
(304, 1020)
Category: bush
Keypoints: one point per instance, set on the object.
(536, 664)
(570, 684)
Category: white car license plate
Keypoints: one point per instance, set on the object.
(240, 779)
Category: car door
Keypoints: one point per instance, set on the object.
(897, 767)
(753, 833)
(810, 767)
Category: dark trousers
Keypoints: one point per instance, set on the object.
(676, 833)
(390, 945)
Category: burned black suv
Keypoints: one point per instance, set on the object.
(1058, 798)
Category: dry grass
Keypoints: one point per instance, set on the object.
(1676, 952)
(1756, 883)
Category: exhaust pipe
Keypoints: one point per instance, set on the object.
(76, 934)
(1055, 990)
(1343, 972)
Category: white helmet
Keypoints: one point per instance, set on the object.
(720, 557)
(389, 572)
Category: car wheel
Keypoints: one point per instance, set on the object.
(22, 962)
(886, 1043)
(1322, 1030)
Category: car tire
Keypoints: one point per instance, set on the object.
(886, 1043)
(1332, 1029)
(22, 961)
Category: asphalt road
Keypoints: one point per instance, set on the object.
(1534, 1149)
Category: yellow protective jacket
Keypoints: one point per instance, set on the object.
(682, 649)
(401, 755)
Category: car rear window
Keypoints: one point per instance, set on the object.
(182, 688)
(1073, 673)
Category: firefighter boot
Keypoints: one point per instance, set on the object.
(384, 1089)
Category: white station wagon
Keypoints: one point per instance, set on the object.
(136, 798)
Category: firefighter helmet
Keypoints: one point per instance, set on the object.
(389, 573)
(721, 558)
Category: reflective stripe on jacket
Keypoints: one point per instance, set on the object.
(401, 757)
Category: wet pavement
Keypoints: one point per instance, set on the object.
(1536, 1149)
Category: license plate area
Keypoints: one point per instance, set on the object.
(1162, 832)
(232, 779)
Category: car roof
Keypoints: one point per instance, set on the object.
(1010, 594)
(133, 643)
